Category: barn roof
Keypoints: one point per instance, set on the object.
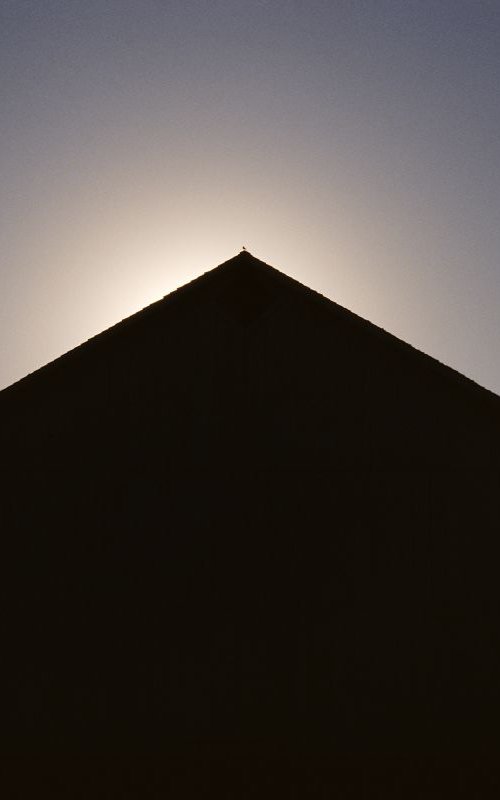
(242, 281)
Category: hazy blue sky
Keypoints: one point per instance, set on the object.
(354, 144)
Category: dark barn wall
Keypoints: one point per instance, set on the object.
(245, 521)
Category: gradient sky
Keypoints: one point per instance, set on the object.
(354, 144)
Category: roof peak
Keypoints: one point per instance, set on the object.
(245, 264)
(243, 255)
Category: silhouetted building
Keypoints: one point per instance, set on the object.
(254, 536)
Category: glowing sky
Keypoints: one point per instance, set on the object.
(354, 144)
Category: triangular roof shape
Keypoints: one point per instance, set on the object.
(252, 284)
(246, 522)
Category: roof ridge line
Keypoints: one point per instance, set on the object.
(327, 303)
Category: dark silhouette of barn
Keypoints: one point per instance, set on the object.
(252, 539)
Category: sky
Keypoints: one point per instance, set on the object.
(353, 144)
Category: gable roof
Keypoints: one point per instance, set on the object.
(231, 500)
(244, 263)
